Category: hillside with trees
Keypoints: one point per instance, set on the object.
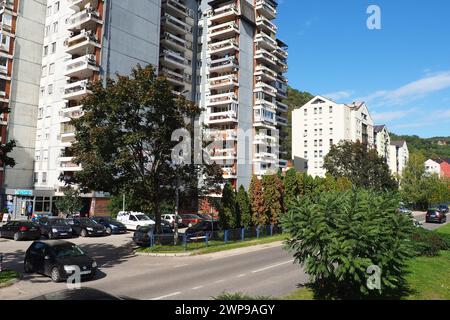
(430, 147)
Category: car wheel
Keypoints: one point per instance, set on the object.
(28, 267)
(108, 230)
(56, 277)
(16, 236)
(83, 233)
(1, 236)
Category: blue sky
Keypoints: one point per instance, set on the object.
(402, 71)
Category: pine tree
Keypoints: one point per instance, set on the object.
(244, 208)
(273, 193)
(291, 187)
(228, 213)
(257, 202)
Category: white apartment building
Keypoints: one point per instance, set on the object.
(322, 123)
(398, 157)
(433, 167)
(242, 86)
(382, 141)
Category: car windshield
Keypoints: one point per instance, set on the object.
(59, 222)
(68, 250)
(88, 222)
(142, 217)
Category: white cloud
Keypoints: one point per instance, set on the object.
(380, 117)
(437, 117)
(411, 91)
(336, 96)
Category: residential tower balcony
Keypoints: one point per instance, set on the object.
(82, 67)
(224, 82)
(83, 43)
(223, 47)
(223, 65)
(224, 31)
(176, 8)
(173, 59)
(175, 43)
(87, 19)
(224, 13)
(266, 25)
(265, 41)
(175, 25)
(266, 57)
(222, 117)
(266, 8)
(78, 5)
(222, 99)
(76, 90)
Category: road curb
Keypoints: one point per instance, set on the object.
(164, 254)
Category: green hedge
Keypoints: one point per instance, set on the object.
(429, 243)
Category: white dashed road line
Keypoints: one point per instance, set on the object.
(197, 288)
(272, 266)
(167, 296)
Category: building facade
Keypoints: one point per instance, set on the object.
(223, 55)
(398, 157)
(438, 166)
(322, 123)
(382, 141)
(242, 86)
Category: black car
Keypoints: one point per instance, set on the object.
(202, 229)
(56, 258)
(55, 228)
(443, 208)
(434, 215)
(112, 225)
(20, 230)
(142, 235)
(86, 227)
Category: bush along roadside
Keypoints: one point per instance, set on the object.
(429, 243)
(8, 277)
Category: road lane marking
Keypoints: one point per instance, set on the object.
(197, 288)
(241, 275)
(272, 266)
(220, 281)
(167, 296)
(181, 266)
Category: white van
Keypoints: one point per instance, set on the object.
(134, 220)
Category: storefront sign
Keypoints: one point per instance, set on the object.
(25, 193)
(5, 217)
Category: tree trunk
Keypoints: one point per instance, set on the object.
(157, 209)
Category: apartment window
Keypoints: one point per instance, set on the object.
(331, 109)
(315, 132)
(45, 51)
(55, 27)
(36, 177)
(320, 132)
(42, 91)
(45, 155)
(46, 31)
(315, 143)
(44, 177)
(320, 110)
(51, 68)
(331, 130)
(331, 142)
(315, 110)
(315, 165)
(306, 154)
(306, 133)
(37, 156)
(305, 165)
(306, 143)
(53, 47)
(315, 154)
(320, 153)
(56, 7)
(306, 112)
(49, 11)
(48, 111)
(3, 62)
(50, 89)
(40, 112)
(44, 71)
(320, 143)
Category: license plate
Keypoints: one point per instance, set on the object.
(64, 234)
(85, 272)
(100, 231)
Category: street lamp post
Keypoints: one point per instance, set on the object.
(177, 204)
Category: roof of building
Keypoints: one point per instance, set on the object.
(400, 143)
(441, 160)
(379, 128)
(356, 105)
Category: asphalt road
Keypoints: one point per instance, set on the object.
(268, 271)
(421, 216)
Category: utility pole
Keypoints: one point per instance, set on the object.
(177, 204)
(123, 202)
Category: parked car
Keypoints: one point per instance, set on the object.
(53, 258)
(443, 208)
(207, 217)
(86, 227)
(142, 235)
(434, 215)
(404, 210)
(55, 228)
(134, 220)
(202, 229)
(172, 218)
(188, 220)
(20, 230)
(112, 225)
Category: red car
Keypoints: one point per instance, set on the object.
(189, 220)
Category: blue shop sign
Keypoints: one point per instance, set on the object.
(26, 193)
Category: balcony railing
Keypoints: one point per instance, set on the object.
(222, 117)
(85, 16)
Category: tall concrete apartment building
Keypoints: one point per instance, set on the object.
(382, 141)
(222, 54)
(398, 157)
(322, 123)
(242, 86)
